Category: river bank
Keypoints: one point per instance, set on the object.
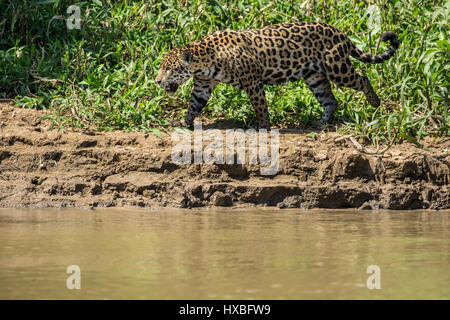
(40, 167)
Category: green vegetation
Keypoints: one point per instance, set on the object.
(102, 75)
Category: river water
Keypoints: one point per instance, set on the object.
(227, 254)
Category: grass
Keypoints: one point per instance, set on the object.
(102, 75)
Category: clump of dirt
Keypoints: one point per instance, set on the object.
(40, 167)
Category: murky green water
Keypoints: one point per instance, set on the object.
(251, 254)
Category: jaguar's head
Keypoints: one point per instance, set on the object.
(174, 69)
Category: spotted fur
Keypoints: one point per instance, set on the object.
(315, 52)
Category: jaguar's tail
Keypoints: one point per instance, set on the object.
(365, 57)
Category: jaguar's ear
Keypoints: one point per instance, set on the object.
(187, 56)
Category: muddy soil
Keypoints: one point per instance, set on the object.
(40, 167)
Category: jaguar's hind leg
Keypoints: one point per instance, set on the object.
(344, 75)
(320, 86)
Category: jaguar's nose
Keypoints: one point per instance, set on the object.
(158, 82)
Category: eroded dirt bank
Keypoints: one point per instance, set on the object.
(46, 168)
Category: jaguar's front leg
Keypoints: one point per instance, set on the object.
(199, 97)
(255, 92)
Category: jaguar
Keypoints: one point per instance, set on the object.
(316, 52)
